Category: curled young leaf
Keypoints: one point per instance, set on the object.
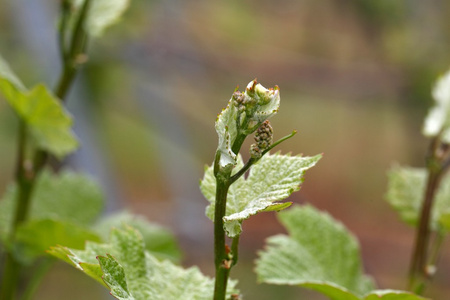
(244, 113)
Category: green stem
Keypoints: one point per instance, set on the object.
(11, 272)
(220, 249)
(419, 272)
(65, 14)
(222, 258)
(75, 55)
(235, 249)
(11, 275)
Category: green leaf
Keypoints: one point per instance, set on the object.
(437, 121)
(131, 272)
(37, 236)
(159, 241)
(406, 189)
(227, 131)
(261, 104)
(273, 178)
(115, 277)
(69, 197)
(102, 14)
(392, 295)
(319, 253)
(48, 123)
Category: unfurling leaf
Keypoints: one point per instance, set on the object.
(243, 115)
(273, 178)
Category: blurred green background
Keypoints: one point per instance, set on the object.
(355, 79)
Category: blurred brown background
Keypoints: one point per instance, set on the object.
(355, 79)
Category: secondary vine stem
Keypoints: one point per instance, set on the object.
(27, 172)
(76, 54)
(419, 272)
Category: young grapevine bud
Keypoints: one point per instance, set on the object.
(244, 114)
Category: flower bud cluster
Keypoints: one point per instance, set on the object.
(243, 102)
(263, 139)
(264, 135)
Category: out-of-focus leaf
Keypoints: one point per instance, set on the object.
(159, 241)
(438, 119)
(131, 272)
(37, 236)
(102, 14)
(273, 178)
(10, 84)
(444, 221)
(69, 197)
(48, 122)
(405, 193)
(319, 253)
